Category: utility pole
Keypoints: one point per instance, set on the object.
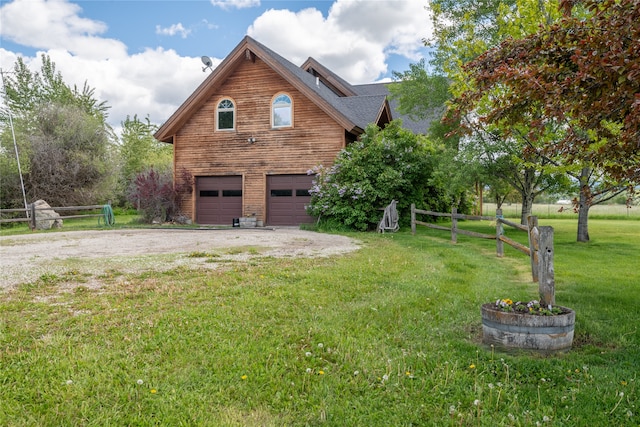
(15, 144)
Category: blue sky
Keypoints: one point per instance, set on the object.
(143, 57)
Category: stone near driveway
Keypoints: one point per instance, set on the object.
(46, 217)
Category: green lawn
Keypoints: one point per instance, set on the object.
(387, 336)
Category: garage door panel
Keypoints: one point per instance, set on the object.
(219, 199)
(288, 196)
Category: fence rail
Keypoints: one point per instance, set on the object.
(535, 235)
(32, 219)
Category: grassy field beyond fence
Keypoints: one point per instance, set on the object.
(557, 211)
(387, 336)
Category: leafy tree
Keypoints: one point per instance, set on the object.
(420, 94)
(69, 161)
(140, 151)
(62, 137)
(464, 30)
(583, 73)
(10, 186)
(580, 75)
(423, 95)
(27, 91)
(384, 165)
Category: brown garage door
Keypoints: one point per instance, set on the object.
(218, 199)
(287, 197)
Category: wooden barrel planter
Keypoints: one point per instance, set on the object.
(512, 331)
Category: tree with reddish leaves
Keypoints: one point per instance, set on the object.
(582, 73)
(575, 87)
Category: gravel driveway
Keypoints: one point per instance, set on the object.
(25, 258)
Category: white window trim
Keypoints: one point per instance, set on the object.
(218, 110)
(273, 125)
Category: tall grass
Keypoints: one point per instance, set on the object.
(387, 336)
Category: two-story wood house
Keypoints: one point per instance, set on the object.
(249, 134)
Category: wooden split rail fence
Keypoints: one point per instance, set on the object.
(539, 237)
(31, 213)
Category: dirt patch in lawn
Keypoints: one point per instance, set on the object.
(90, 254)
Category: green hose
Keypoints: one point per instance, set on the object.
(107, 216)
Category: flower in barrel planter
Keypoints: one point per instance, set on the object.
(530, 325)
(533, 307)
(539, 326)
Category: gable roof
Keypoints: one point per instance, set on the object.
(353, 112)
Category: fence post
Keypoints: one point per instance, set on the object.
(499, 233)
(32, 223)
(413, 218)
(534, 239)
(454, 225)
(546, 285)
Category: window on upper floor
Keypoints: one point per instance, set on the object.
(226, 115)
(282, 111)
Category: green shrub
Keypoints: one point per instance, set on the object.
(384, 165)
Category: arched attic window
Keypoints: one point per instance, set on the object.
(226, 115)
(282, 111)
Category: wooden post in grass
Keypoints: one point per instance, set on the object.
(546, 283)
(499, 233)
(454, 225)
(413, 218)
(533, 245)
(32, 223)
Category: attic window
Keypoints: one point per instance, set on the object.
(281, 109)
(226, 115)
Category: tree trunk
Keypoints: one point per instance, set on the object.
(527, 205)
(584, 203)
(528, 194)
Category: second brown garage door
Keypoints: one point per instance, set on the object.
(218, 199)
(287, 197)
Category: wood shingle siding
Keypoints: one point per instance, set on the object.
(203, 151)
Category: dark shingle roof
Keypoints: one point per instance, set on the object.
(361, 110)
(417, 126)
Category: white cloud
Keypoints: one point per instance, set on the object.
(208, 25)
(23, 22)
(355, 38)
(238, 4)
(153, 82)
(173, 30)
